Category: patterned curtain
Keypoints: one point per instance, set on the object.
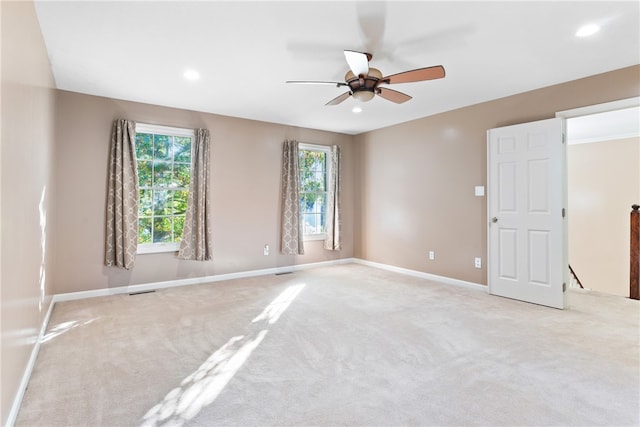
(291, 243)
(122, 197)
(197, 243)
(333, 242)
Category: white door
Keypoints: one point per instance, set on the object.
(526, 212)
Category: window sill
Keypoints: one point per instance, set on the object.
(309, 237)
(158, 248)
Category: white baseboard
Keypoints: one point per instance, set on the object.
(428, 276)
(22, 388)
(253, 273)
(193, 281)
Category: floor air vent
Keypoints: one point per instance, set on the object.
(141, 292)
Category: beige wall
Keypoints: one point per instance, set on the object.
(416, 180)
(246, 158)
(604, 181)
(407, 188)
(27, 137)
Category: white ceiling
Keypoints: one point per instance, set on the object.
(245, 51)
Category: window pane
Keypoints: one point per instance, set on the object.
(162, 146)
(144, 146)
(181, 175)
(145, 207)
(178, 226)
(307, 161)
(322, 213)
(161, 173)
(311, 161)
(161, 202)
(309, 223)
(306, 183)
(320, 178)
(162, 228)
(318, 166)
(313, 182)
(311, 158)
(312, 171)
(180, 202)
(307, 202)
(144, 230)
(182, 149)
(321, 203)
(313, 207)
(144, 173)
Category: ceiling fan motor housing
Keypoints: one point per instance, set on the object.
(363, 87)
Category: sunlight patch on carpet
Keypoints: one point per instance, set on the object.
(62, 328)
(204, 385)
(273, 311)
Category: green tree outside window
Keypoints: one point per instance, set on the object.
(313, 190)
(164, 174)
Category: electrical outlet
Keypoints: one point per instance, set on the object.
(432, 255)
(266, 250)
(478, 263)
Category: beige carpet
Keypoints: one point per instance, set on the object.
(338, 346)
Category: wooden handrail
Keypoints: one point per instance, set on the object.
(634, 258)
(575, 276)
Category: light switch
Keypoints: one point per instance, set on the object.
(479, 190)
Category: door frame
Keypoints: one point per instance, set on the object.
(599, 108)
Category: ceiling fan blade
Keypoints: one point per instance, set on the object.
(393, 95)
(421, 74)
(337, 100)
(358, 62)
(315, 82)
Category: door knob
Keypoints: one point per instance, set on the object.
(494, 219)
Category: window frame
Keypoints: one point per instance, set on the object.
(327, 151)
(151, 248)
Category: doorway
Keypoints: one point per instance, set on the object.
(603, 178)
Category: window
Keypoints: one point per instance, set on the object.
(314, 164)
(164, 172)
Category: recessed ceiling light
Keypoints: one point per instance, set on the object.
(356, 110)
(587, 30)
(191, 75)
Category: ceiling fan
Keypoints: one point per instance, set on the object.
(364, 82)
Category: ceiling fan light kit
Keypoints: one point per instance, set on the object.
(363, 87)
(364, 82)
